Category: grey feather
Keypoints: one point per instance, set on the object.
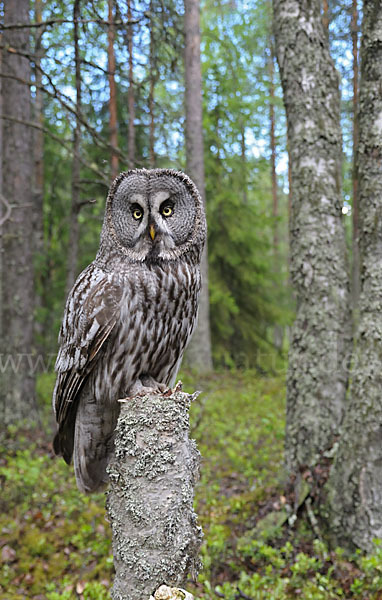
(130, 313)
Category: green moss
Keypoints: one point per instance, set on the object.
(62, 541)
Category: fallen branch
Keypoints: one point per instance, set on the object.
(156, 538)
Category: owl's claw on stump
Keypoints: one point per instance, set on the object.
(146, 386)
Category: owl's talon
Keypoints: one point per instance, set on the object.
(178, 387)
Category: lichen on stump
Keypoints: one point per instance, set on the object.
(156, 538)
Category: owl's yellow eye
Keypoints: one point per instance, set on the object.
(137, 213)
(167, 211)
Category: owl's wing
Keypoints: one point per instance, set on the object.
(91, 312)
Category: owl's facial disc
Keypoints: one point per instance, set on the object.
(154, 214)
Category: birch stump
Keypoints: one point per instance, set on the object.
(156, 538)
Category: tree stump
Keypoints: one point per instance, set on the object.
(156, 538)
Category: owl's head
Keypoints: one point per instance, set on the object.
(154, 215)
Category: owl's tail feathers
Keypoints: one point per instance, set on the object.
(63, 442)
(93, 444)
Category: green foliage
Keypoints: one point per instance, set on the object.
(248, 282)
(49, 530)
(56, 543)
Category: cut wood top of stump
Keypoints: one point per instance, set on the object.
(171, 593)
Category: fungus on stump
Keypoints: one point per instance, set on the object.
(156, 538)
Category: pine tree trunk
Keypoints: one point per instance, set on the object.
(130, 94)
(152, 76)
(272, 138)
(278, 330)
(38, 134)
(198, 354)
(75, 207)
(325, 15)
(38, 147)
(114, 167)
(355, 484)
(17, 392)
(317, 374)
(243, 148)
(2, 205)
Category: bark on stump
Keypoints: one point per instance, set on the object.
(156, 538)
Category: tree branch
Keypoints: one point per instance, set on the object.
(58, 95)
(51, 22)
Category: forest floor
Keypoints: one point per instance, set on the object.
(55, 543)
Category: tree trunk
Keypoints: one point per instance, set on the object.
(38, 134)
(355, 264)
(38, 148)
(355, 483)
(17, 393)
(272, 138)
(156, 538)
(130, 94)
(325, 16)
(317, 374)
(75, 207)
(2, 206)
(114, 167)
(151, 93)
(243, 148)
(199, 351)
(278, 330)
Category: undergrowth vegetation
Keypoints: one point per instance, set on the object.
(55, 543)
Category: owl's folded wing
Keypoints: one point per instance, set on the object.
(91, 312)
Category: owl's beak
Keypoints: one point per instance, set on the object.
(152, 232)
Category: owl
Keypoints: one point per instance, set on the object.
(130, 314)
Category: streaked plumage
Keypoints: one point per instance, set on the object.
(130, 313)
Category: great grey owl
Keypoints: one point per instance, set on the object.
(130, 314)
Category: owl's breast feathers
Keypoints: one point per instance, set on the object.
(145, 314)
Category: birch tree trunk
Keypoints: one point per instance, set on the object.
(355, 483)
(198, 354)
(17, 391)
(355, 263)
(317, 373)
(156, 538)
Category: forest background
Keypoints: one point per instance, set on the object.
(99, 87)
